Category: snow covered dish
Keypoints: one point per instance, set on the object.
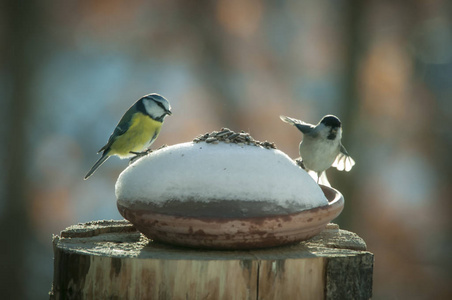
(225, 194)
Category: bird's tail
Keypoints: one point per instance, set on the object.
(322, 178)
(98, 163)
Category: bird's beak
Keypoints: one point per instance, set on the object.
(168, 112)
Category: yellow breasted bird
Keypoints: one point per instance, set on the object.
(137, 129)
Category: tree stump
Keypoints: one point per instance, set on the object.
(111, 260)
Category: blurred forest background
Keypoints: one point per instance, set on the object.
(70, 69)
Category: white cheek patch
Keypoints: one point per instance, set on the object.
(153, 109)
(148, 106)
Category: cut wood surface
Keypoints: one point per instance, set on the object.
(110, 259)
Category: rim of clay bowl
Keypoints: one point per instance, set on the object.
(236, 233)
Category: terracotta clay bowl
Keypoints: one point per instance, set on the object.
(207, 225)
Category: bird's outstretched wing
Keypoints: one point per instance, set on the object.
(302, 126)
(343, 160)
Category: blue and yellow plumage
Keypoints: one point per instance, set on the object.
(137, 129)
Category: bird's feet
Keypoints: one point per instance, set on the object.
(139, 155)
(300, 163)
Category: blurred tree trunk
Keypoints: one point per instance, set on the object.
(19, 21)
(353, 38)
(214, 70)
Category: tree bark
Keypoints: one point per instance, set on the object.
(110, 259)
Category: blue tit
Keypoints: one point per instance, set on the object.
(321, 146)
(137, 129)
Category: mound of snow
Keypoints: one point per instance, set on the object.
(218, 172)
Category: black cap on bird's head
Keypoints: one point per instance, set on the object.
(331, 121)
